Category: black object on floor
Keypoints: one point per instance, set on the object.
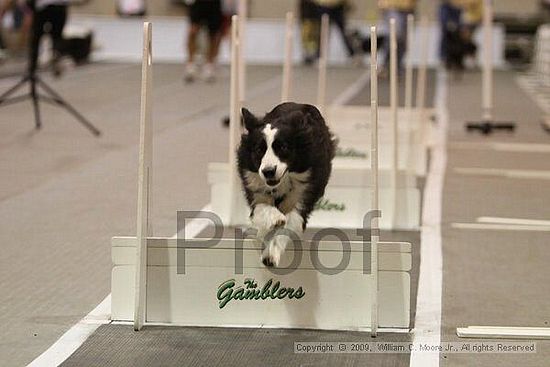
(488, 127)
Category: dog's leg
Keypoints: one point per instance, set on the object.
(273, 251)
(265, 218)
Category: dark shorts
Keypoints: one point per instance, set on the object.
(207, 12)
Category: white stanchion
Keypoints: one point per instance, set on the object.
(322, 81)
(374, 170)
(235, 100)
(409, 67)
(242, 11)
(394, 104)
(287, 63)
(144, 227)
(487, 78)
(409, 92)
(422, 69)
(487, 123)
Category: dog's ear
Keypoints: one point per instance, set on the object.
(250, 121)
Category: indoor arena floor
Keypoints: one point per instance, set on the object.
(55, 266)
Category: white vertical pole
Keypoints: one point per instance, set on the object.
(242, 11)
(287, 65)
(421, 82)
(145, 175)
(234, 115)
(374, 169)
(488, 61)
(394, 104)
(411, 159)
(409, 68)
(322, 81)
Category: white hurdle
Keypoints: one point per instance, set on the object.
(145, 175)
(400, 198)
(287, 62)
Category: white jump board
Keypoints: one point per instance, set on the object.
(194, 298)
(351, 124)
(347, 198)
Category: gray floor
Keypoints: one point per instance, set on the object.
(497, 278)
(64, 193)
(161, 346)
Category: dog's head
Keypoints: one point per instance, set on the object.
(280, 143)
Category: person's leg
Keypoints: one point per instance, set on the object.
(214, 21)
(194, 29)
(190, 68)
(338, 16)
(319, 11)
(57, 17)
(386, 15)
(37, 30)
(401, 25)
(195, 19)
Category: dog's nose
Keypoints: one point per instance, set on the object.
(269, 172)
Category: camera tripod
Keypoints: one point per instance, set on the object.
(49, 95)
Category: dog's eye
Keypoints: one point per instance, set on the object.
(260, 148)
(281, 147)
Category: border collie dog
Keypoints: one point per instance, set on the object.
(284, 162)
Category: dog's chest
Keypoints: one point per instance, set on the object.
(286, 197)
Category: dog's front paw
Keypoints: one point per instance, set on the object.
(268, 218)
(271, 256)
(278, 219)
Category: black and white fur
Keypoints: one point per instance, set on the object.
(284, 161)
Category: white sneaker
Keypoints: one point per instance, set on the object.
(209, 73)
(190, 72)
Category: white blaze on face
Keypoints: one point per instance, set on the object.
(270, 159)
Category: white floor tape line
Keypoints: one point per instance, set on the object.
(500, 227)
(505, 173)
(428, 306)
(516, 221)
(504, 332)
(353, 90)
(73, 339)
(503, 147)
